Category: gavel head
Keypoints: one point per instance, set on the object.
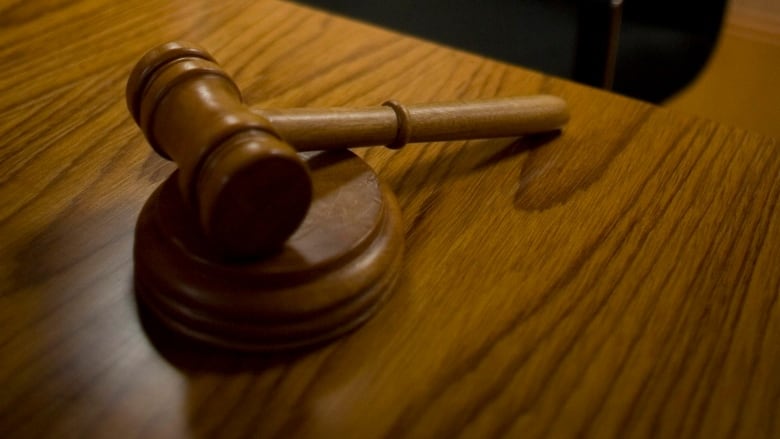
(249, 188)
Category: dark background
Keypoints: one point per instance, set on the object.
(663, 44)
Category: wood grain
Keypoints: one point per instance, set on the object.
(618, 280)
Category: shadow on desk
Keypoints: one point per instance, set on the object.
(448, 162)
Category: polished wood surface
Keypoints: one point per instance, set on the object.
(617, 280)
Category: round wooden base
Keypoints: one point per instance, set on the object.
(329, 278)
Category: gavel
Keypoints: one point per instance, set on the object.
(255, 244)
(238, 165)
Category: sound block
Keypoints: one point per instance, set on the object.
(331, 275)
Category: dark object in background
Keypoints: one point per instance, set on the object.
(663, 44)
(598, 37)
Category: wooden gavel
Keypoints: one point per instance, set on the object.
(238, 167)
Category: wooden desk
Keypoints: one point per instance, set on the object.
(621, 279)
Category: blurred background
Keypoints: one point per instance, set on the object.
(714, 58)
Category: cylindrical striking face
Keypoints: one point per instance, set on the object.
(253, 193)
(249, 188)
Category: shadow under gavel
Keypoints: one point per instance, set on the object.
(238, 166)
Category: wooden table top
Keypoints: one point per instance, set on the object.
(621, 279)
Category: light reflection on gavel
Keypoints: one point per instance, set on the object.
(238, 166)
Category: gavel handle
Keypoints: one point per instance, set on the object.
(395, 125)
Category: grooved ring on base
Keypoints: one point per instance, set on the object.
(330, 278)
